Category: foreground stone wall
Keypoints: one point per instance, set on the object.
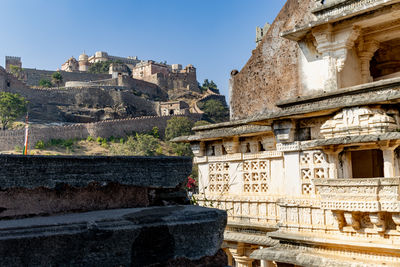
(117, 128)
(103, 211)
(271, 74)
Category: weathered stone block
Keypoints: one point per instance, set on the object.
(124, 237)
(51, 171)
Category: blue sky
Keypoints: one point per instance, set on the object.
(215, 36)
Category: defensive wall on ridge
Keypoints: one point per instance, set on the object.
(33, 76)
(9, 139)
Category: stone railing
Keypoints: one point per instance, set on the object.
(244, 210)
(304, 215)
(362, 202)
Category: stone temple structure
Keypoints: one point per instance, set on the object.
(308, 167)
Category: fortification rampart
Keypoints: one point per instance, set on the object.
(33, 76)
(84, 104)
(117, 128)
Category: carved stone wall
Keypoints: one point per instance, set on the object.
(256, 176)
(359, 121)
(313, 165)
(218, 178)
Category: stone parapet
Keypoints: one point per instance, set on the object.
(252, 211)
(362, 195)
(49, 171)
(37, 185)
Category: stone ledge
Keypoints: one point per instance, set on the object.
(350, 140)
(303, 258)
(234, 130)
(128, 237)
(250, 239)
(332, 241)
(51, 171)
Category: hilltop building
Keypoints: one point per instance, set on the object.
(308, 167)
(84, 61)
(167, 77)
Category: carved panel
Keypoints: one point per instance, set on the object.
(256, 176)
(358, 121)
(313, 165)
(218, 177)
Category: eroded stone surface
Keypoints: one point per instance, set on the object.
(127, 237)
(50, 171)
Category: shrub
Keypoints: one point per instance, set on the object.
(215, 110)
(155, 132)
(181, 149)
(45, 83)
(139, 145)
(39, 144)
(61, 143)
(178, 126)
(99, 140)
(90, 138)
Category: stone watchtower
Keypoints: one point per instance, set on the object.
(15, 61)
(83, 62)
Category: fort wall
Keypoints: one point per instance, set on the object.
(33, 76)
(149, 88)
(9, 139)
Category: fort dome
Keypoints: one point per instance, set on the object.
(83, 57)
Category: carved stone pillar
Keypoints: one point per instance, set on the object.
(241, 255)
(334, 47)
(229, 256)
(333, 159)
(388, 161)
(367, 51)
(346, 170)
(199, 149)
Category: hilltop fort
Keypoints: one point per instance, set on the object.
(122, 87)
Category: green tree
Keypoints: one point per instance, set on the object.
(16, 71)
(209, 85)
(178, 126)
(45, 83)
(181, 149)
(146, 145)
(100, 67)
(57, 78)
(12, 107)
(138, 145)
(215, 110)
